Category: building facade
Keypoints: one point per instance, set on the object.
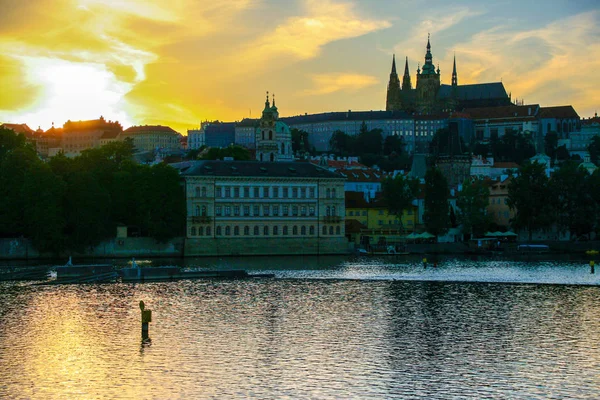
(152, 137)
(262, 208)
(82, 135)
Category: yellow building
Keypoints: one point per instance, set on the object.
(498, 207)
(152, 137)
(379, 224)
(263, 208)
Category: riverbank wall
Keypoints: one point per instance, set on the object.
(21, 249)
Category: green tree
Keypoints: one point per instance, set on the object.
(562, 154)
(14, 170)
(594, 149)
(573, 199)
(238, 153)
(9, 140)
(445, 142)
(550, 144)
(42, 195)
(163, 203)
(472, 202)
(368, 142)
(530, 195)
(341, 143)
(398, 194)
(393, 144)
(300, 141)
(436, 215)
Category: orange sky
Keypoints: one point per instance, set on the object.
(178, 62)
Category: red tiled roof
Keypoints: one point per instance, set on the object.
(590, 121)
(363, 175)
(340, 164)
(18, 128)
(505, 165)
(109, 135)
(354, 226)
(505, 112)
(355, 200)
(558, 112)
(148, 129)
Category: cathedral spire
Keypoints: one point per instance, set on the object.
(393, 100)
(428, 67)
(267, 105)
(406, 85)
(454, 75)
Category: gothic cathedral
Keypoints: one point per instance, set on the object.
(430, 96)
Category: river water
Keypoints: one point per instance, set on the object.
(325, 328)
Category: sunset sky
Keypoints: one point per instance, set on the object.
(179, 62)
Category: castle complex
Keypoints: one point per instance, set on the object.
(431, 97)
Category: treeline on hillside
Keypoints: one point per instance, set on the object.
(570, 200)
(76, 203)
(371, 148)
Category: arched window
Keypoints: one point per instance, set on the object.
(333, 193)
(197, 211)
(559, 127)
(331, 230)
(201, 231)
(270, 135)
(272, 157)
(203, 212)
(324, 230)
(219, 231)
(275, 230)
(285, 230)
(282, 148)
(256, 231)
(203, 191)
(197, 191)
(208, 231)
(303, 231)
(246, 230)
(327, 211)
(337, 230)
(565, 127)
(193, 233)
(333, 214)
(264, 135)
(295, 230)
(227, 231)
(328, 193)
(549, 128)
(266, 231)
(236, 231)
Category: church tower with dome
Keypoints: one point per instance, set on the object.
(273, 137)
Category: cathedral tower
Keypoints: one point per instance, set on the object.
(273, 137)
(394, 96)
(428, 84)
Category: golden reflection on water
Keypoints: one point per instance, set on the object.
(298, 339)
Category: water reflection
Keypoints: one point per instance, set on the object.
(305, 336)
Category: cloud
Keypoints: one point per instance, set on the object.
(302, 37)
(552, 65)
(331, 83)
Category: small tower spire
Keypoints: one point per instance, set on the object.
(393, 64)
(454, 75)
(267, 105)
(273, 95)
(406, 85)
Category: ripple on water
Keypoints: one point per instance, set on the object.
(357, 335)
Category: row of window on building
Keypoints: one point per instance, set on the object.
(272, 210)
(264, 192)
(266, 230)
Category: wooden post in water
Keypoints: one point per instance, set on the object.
(592, 269)
(146, 319)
